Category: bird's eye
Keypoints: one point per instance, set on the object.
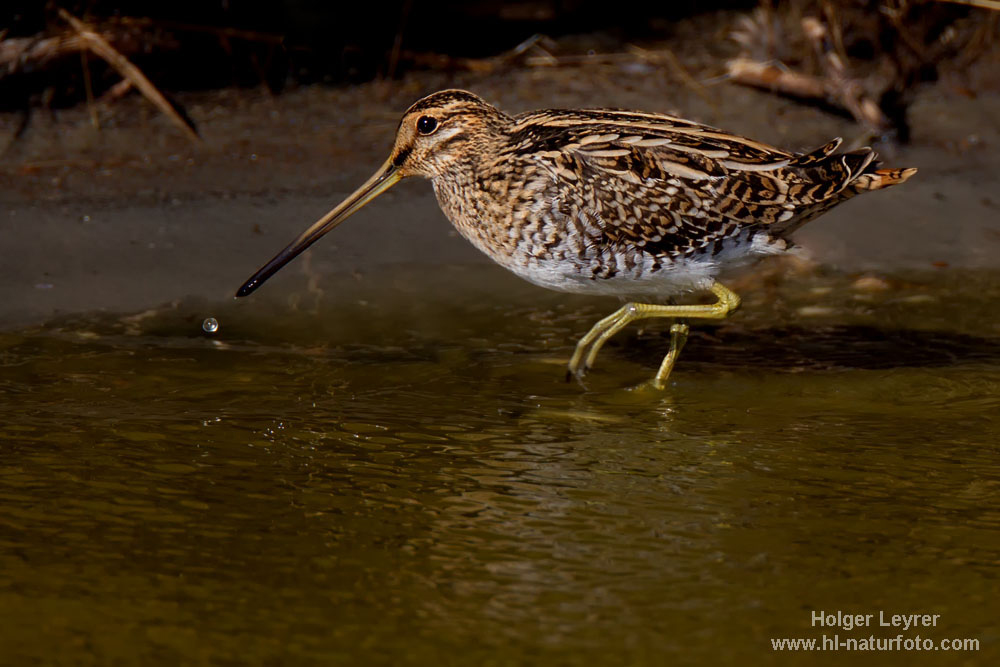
(426, 125)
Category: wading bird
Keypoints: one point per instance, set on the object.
(638, 205)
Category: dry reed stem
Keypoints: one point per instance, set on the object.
(100, 47)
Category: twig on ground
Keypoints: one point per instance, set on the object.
(982, 4)
(115, 92)
(841, 88)
(100, 47)
(769, 76)
(18, 51)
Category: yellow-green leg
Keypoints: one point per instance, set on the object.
(678, 336)
(727, 301)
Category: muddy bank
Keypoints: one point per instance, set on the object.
(134, 215)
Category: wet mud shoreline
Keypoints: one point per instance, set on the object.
(134, 215)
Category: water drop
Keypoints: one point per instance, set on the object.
(210, 325)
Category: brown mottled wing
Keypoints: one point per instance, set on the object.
(673, 187)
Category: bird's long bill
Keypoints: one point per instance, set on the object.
(386, 177)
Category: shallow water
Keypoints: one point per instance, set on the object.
(400, 477)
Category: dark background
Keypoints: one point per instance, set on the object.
(306, 41)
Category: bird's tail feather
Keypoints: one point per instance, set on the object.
(882, 178)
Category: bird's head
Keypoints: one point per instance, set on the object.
(438, 135)
(443, 131)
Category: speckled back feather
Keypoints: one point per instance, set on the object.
(569, 196)
(714, 181)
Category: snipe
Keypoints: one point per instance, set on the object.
(638, 205)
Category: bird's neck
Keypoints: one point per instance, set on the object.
(471, 200)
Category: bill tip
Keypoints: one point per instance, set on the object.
(247, 288)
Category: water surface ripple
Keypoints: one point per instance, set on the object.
(420, 485)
